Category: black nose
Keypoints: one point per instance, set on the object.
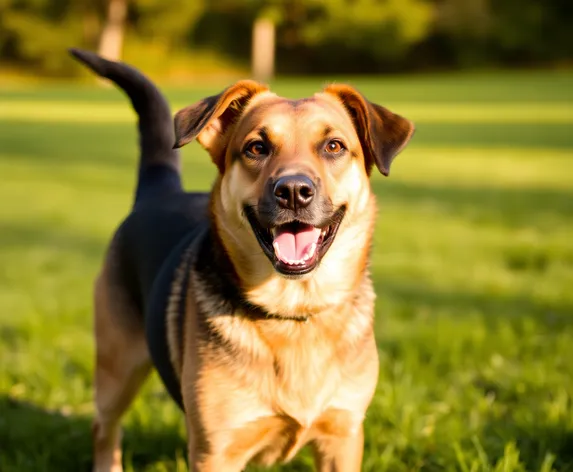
(294, 191)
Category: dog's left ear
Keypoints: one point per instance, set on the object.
(383, 134)
(209, 119)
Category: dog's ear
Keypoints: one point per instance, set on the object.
(209, 119)
(383, 134)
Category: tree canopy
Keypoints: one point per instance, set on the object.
(313, 36)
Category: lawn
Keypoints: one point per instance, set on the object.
(473, 265)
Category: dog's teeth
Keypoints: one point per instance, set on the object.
(312, 250)
(274, 232)
(296, 262)
(277, 249)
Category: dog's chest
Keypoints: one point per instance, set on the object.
(305, 398)
(302, 382)
(266, 389)
(312, 392)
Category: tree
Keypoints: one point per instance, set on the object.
(36, 33)
(386, 29)
(111, 39)
(362, 32)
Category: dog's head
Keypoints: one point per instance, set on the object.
(292, 201)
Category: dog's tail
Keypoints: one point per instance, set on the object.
(159, 165)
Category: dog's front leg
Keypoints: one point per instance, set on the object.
(339, 453)
(209, 455)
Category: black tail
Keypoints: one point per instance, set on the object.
(159, 165)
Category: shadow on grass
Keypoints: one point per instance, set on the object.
(33, 439)
(116, 143)
(533, 441)
(61, 148)
(494, 135)
(496, 308)
(58, 143)
(512, 207)
(49, 235)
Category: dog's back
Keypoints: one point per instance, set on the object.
(162, 213)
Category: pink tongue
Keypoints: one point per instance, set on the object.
(292, 246)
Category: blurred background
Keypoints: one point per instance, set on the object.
(179, 39)
(473, 251)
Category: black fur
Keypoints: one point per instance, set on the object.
(165, 222)
(159, 163)
(148, 246)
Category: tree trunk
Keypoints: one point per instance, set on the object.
(111, 40)
(263, 49)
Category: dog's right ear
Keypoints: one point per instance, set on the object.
(383, 134)
(210, 119)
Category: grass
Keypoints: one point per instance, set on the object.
(473, 264)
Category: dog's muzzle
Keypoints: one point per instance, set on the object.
(294, 224)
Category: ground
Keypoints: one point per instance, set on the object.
(473, 265)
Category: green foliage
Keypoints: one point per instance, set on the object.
(35, 32)
(472, 263)
(169, 22)
(506, 32)
(532, 30)
(313, 36)
(386, 29)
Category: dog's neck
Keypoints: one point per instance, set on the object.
(220, 293)
(221, 282)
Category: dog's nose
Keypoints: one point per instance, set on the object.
(294, 191)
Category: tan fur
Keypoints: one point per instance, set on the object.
(122, 365)
(266, 387)
(328, 284)
(285, 392)
(173, 311)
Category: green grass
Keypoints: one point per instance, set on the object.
(473, 264)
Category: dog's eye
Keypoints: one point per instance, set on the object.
(257, 149)
(334, 147)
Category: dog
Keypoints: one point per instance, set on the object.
(254, 301)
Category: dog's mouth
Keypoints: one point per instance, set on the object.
(295, 248)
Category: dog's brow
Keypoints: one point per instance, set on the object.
(261, 132)
(264, 133)
(327, 131)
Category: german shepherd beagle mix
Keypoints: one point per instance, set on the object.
(254, 301)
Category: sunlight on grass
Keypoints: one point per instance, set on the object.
(472, 262)
(437, 112)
